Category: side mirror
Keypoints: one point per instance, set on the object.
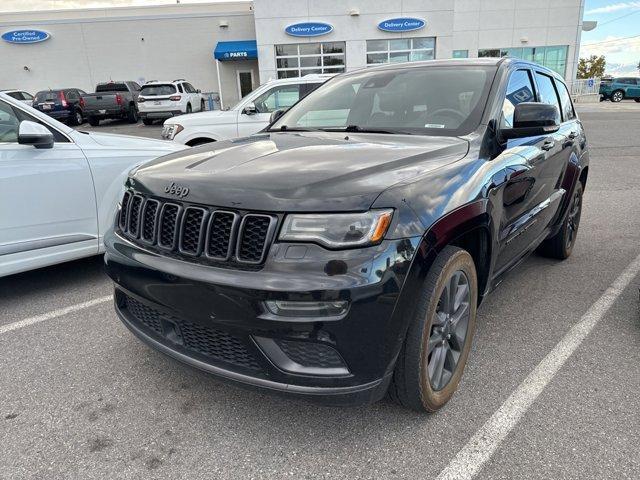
(250, 109)
(32, 133)
(531, 119)
(276, 115)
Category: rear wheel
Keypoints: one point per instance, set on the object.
(435, 351)
(76, 118)
(132, 115)
(637, 100)
(202, 105)
(617, 96)
(561, 244)
(94, 121)
(147, 121)
(188, 108)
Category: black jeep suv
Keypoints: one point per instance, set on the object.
(342, 252)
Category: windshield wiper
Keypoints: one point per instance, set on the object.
(285, 128)
(359, 129)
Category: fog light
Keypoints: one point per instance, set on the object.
(286, 308)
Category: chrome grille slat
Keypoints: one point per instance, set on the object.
(192, 231)
(133, 218)
(149, 221)
(221, 235)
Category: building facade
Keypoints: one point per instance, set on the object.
(233, 47)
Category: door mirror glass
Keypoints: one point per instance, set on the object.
(250, 109)
(531, 119)
(276, 115)
(32, 133)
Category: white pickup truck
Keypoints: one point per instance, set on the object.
(249, 116)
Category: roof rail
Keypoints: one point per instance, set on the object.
(179, 80)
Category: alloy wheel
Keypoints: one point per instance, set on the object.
(573, 219)
(448, 330)
(617, 97)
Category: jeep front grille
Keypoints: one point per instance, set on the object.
(197, 233)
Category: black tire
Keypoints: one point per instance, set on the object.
(132, 114)
(617, 96)
(411, 385)
(94, 121)
(147, 121)
(637, 100)
(561, 244)
(76, 118)
(189, 109)
(202, 107)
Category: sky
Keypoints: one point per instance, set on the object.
(617, 35)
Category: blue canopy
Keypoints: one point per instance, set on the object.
(238, 50)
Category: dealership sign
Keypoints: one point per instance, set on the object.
(25, 36)
(401, 24)
(308, 29)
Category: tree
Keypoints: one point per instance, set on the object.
(592, 67)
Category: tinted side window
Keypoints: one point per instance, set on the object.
(180, 88)
(8, 124)
(307, 88)
(547, 92)
(565, 101)
(71, 95)
(57, 136)
(277, 98)
(27, 96)
(16, 95)
(520, 89)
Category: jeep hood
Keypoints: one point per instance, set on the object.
(306, 171)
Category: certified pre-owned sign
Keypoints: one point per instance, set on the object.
(404, 24)
(25, 36)
(308, 29)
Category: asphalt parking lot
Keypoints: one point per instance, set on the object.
(81, 398)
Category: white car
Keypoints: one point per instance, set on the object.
(59, 187)
(249, 116)
(20, 95)
(159, 100)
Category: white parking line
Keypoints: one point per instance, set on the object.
(468, 462)
(54, 314)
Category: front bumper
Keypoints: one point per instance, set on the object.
(214, 318)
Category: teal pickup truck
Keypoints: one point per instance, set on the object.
(618, 89)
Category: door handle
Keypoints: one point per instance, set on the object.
(548, 145)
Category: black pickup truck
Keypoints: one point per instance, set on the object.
(112, 100)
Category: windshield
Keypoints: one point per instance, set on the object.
(427, 100)
(150, 90)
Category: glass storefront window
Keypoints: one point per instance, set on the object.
(554, 57)
(400, 50)
(297, 60)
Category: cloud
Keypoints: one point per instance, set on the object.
(614, 45)
(614, 7)
(622, 69)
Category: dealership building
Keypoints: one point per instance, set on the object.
(231, 47)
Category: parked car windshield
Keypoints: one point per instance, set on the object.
(149, 90)
(111, 87)
(47, 96)
(429, 100)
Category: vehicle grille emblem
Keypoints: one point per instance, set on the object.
(177, 190)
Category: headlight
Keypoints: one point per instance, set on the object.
(338, 230)
(170, 131)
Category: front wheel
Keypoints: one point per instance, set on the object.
(147, 121)
(437, 345)
(561, 244)
(617, 96)
(637, 100)
(202, 105)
